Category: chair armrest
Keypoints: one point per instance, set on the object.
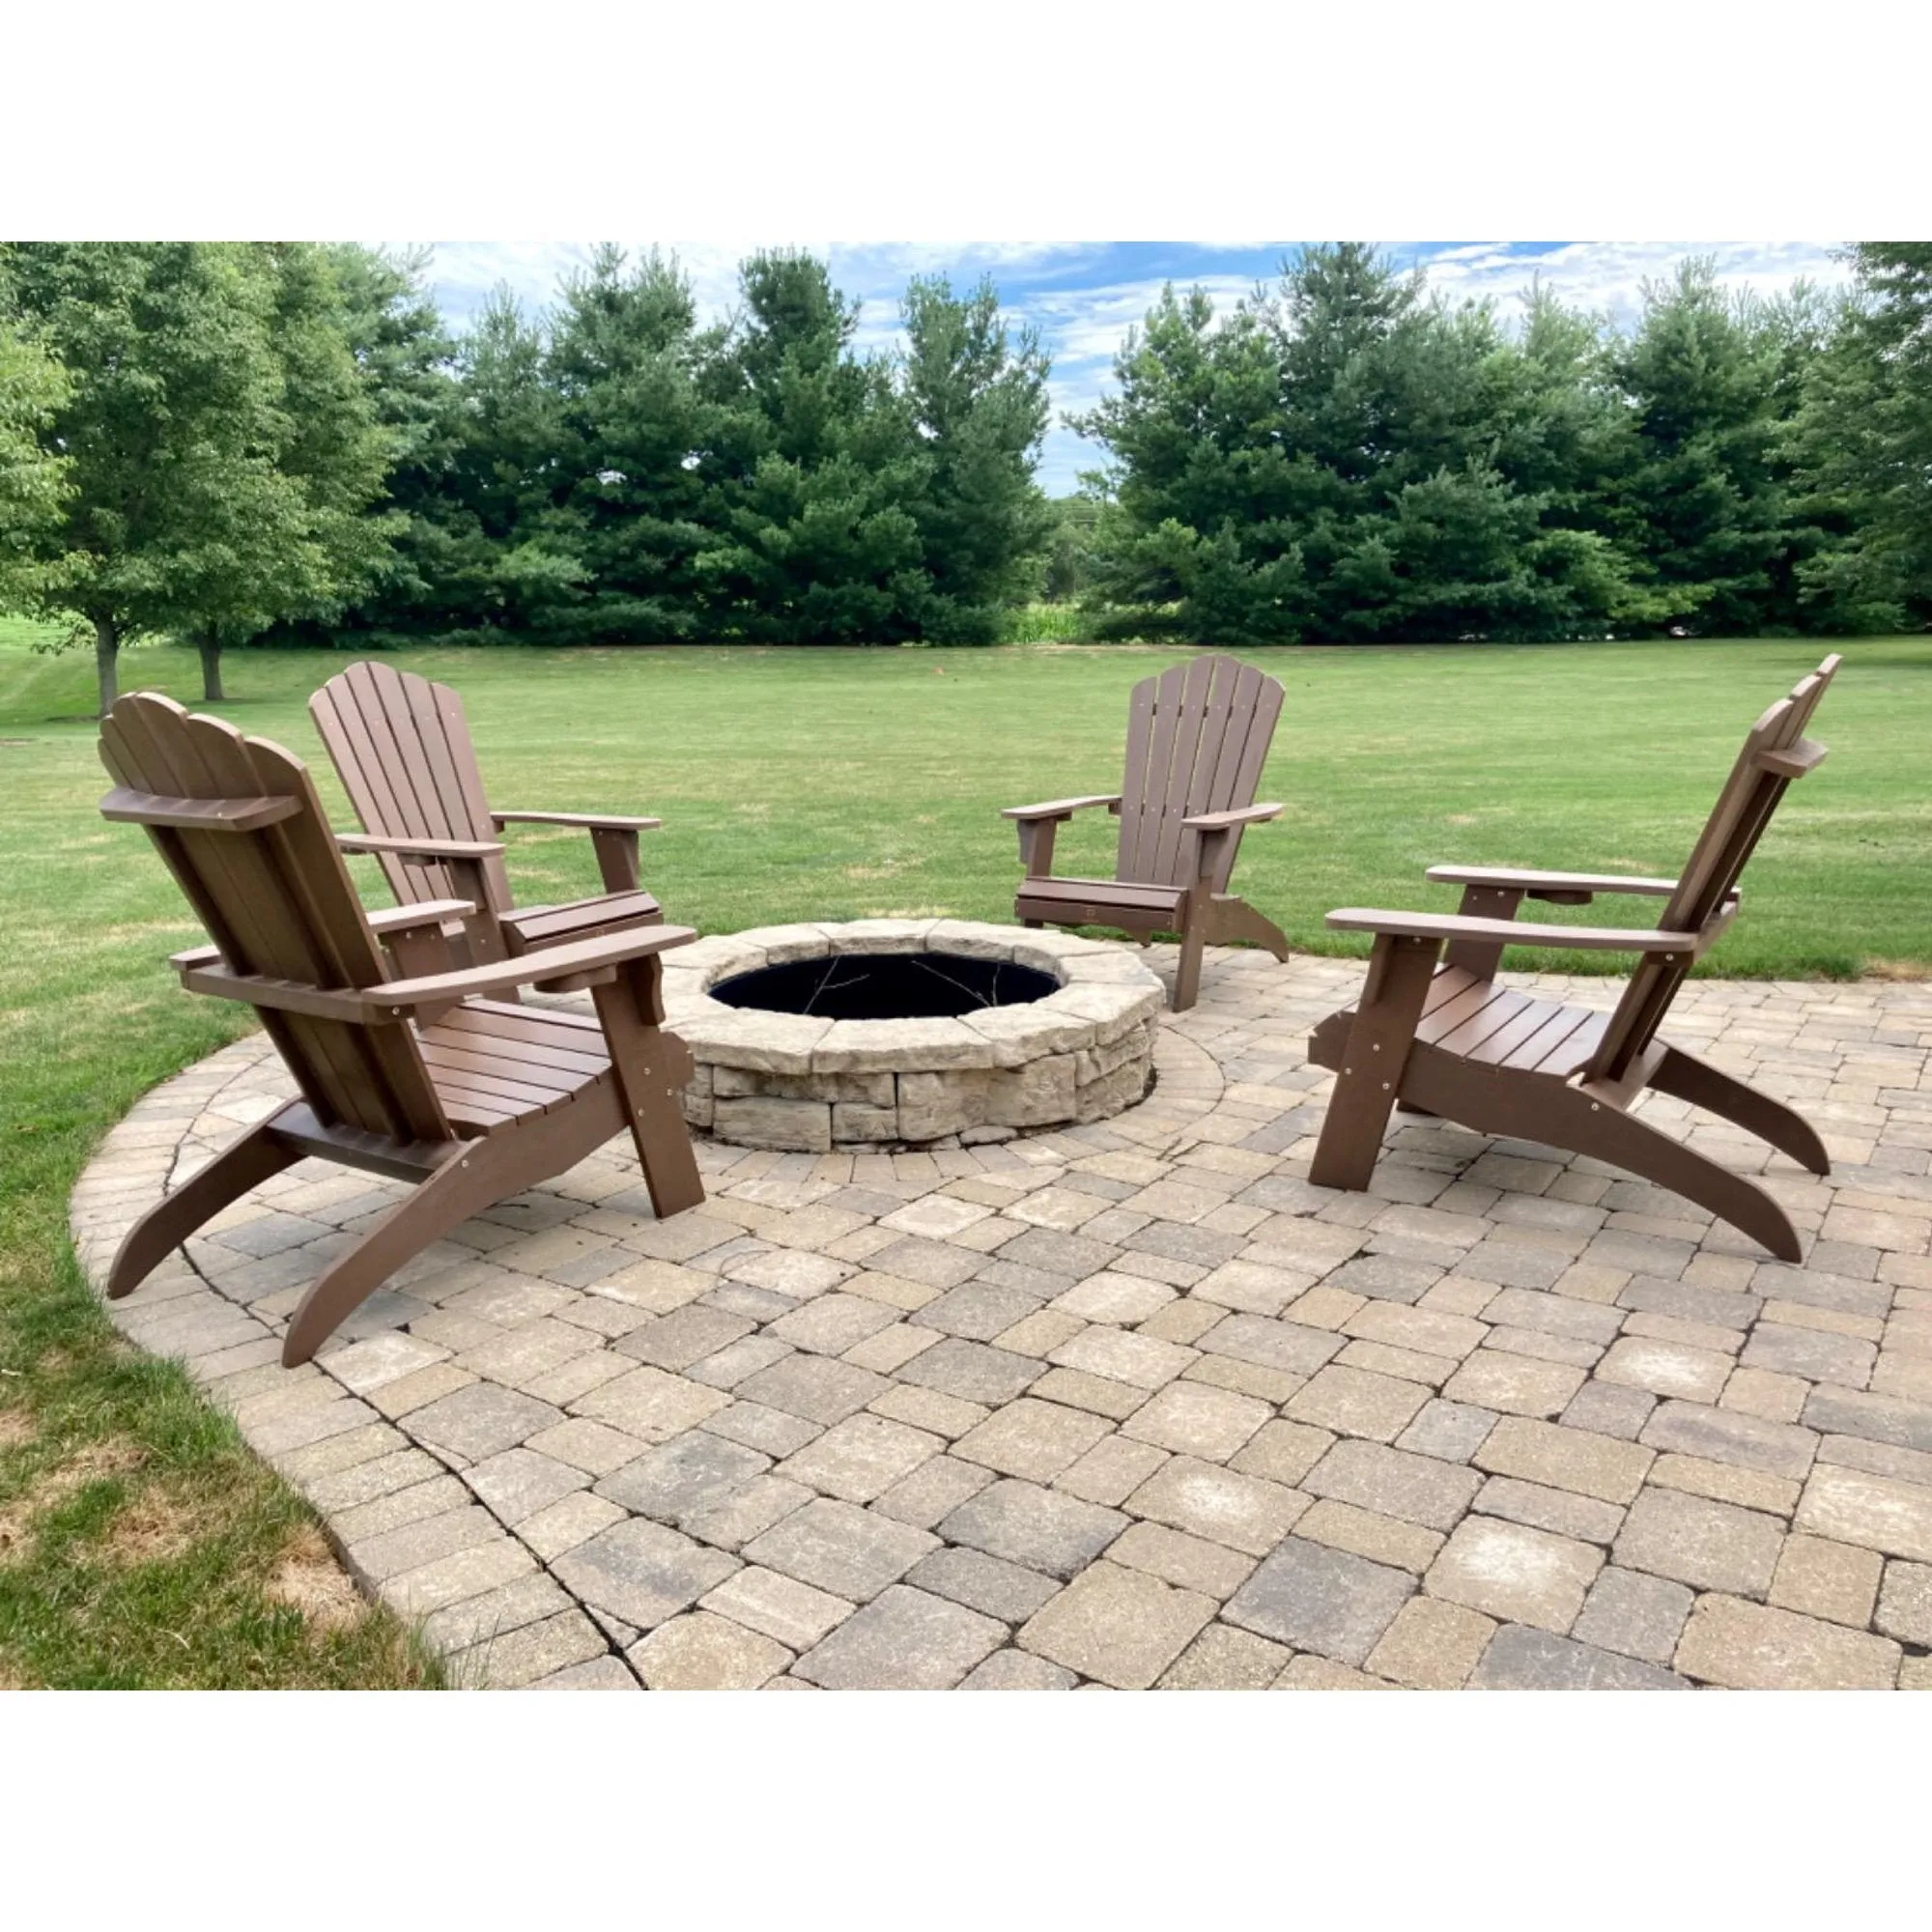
(551, 963)
(1454, 925)
(425, 912)
(1226, 821)
(392, 919)
(1535, 884)
(588, 821)
(1060, 807)
(432, 850)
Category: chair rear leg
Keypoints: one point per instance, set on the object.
(245, 1162)
(1686, 1077)
(1383, 1029)
(1609, 1134)
(651, 1068)
(1234, 918)
(488, 1171)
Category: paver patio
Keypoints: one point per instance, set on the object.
(1130, 1405)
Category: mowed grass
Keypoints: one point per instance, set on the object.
(798, 783)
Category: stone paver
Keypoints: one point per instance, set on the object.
(1132, 1404)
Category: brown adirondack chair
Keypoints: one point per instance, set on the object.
(1196, 738)
(401, 745)
(1440, 1036)
(402, 1068)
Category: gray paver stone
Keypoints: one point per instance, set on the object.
(839, 1547)
(1037, 1528)
(1519, 1659)
(641, 1572)
(1639, 1615)
(1314, 1598)
(677, 1479)
(905, 1639)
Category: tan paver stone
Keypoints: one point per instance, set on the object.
(700, 1651)
(1194, 1420)
(1118, 1625)
(1561, 1512)
(1431, 1645)
(1221, 1659)
(1108, 1296)
(518, 1657)
(1382, 1538)
(1832, 1580)
(1516, 1384)
(1563, 1458)
(561, 1527)
(1017, 1670)
(776, 1607)
(943, 1415)
(1711, 1545)
(1873, 1511)
(458, 1577)
(1726, 1483)
(1122, 1355)
(1031, 1438)
(591, 1446)
(1111, 1470)
(1905, 1604)
(1183, 1561)
(1327, 1307)
(1355, 1401)
(1284, 1452)
(862, 1457)
(1322, 1673)
(1515, 1573)
(650, 1405)
(1754, 1647)
(1777, 1397)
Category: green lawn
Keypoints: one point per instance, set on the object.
(809, 784)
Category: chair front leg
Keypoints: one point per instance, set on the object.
(1037, 837)
(1399, 970)
(651, 1068)
(616, 848)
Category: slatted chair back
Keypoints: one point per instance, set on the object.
(1197, 736)
(238, 823)
(402, 746)
(1776, 752)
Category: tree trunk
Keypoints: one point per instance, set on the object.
(106, 654)
(212, 692)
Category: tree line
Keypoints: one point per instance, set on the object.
(1342, 458)
(237, 442)
(245, 443)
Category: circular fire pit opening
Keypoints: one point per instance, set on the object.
(887, 987)
(890, 1034)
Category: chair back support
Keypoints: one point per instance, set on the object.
(1776, 750)
(238, 823)
(1197, 736)
(402, 748)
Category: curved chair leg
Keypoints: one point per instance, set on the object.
(487, 1171)
(1234, 918)
(1686, 1077)
(1609, 1134)
(245, 1162)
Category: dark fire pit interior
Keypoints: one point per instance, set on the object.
(887, 987)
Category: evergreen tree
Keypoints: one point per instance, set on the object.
(978, 410)
(631, 479)
(815, 465)
(1861, 442)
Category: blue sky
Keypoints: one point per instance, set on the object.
(1083, 295)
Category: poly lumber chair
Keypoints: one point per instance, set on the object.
(401, 745)
(402, 1068)
(1439, 1036)
(1196, 738)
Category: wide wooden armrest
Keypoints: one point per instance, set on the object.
(1454, 925)
(551, 962)
(425, 912)
(126, 806)
(1795, 761)
(1534, 884)
(1226, 821)
(430, 849)
(1060, 808)
(589, 821)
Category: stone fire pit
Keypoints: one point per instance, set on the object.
(1016, 1030)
